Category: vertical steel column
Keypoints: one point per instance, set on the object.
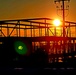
(31, 28)
(19, 27)
(17, 32)
(1, 30)
(7, 30)
(45, 27)
(25, 32)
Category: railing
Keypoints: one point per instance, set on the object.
(35, 28)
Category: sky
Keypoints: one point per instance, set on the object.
(23, 9)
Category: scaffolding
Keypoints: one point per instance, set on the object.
(43, 34)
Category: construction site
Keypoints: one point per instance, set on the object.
(59, 43)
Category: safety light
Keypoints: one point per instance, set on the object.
(20, 47)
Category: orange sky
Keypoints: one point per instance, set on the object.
(17, 9)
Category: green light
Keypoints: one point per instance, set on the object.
(20, 47)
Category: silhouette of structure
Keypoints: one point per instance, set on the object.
(43, 34)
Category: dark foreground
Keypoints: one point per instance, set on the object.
(50, 69)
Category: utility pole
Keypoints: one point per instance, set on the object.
(62, 7)
(63, 18)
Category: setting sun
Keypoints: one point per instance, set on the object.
(56, 22)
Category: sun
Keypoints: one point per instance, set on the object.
(56, 22)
